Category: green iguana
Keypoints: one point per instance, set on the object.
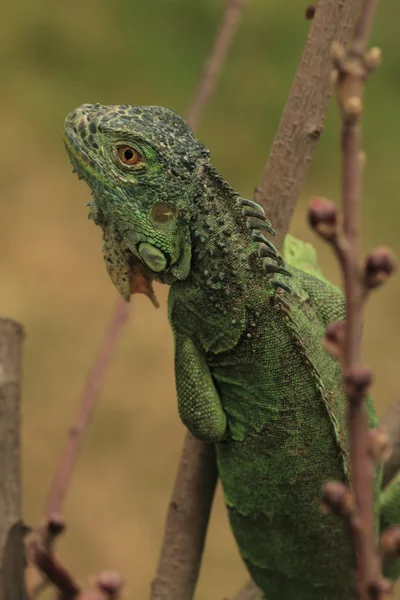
(251, 374)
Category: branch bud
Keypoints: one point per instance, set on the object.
(333, 340)
(334, 76)
(56, 525)
(357, 383)
(110, 583)
(390, 542)
(338, 499)
(352, 107)
(379, 265)
(310, 12)
(379, 445)
(322, 217)
(373, 58)
(380, 587)
(338, 53)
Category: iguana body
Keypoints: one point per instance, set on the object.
(251, 374)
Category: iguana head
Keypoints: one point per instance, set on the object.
(142, 164)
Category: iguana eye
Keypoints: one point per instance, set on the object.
(128, 155)
(162, 212)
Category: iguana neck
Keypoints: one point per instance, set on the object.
(222, 248)
(234, 268)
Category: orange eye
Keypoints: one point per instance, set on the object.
(128, 155)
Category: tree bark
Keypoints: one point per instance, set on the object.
(187, 520)
(302, 120)
(12, 530)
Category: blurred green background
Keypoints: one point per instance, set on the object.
(57, 55)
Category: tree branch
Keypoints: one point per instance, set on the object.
(107, 586)
(215, 61)
(186, 523)
(302, 120)
(90, 395)
(351, 75)
(53, 524)
(351, 70)
(12, 530)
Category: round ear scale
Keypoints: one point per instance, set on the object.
(162, 212)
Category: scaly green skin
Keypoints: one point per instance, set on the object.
(251, 374)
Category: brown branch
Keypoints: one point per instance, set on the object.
(108, 585)
(90, 395)
(351, 75)
(53, 524)
(215, 61)
(12, 530)
(351, 69)
(302, 120)
(53, 570)
(186, 523)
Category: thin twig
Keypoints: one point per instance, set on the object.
(351, 69)
(215, 61)
(186, 523)
(12, 530)
(91, 391)
(53, 524)
(350, 91)
(107, 586)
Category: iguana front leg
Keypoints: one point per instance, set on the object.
(199, 404)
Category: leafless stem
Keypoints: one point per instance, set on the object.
(90, 396)
(108, 585)
(12, 530)
(186, 523)
(54, 571)
(215, 61)
(53, 523)
(351, 69)
(351, 75)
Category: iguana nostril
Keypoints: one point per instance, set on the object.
(154, 258)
